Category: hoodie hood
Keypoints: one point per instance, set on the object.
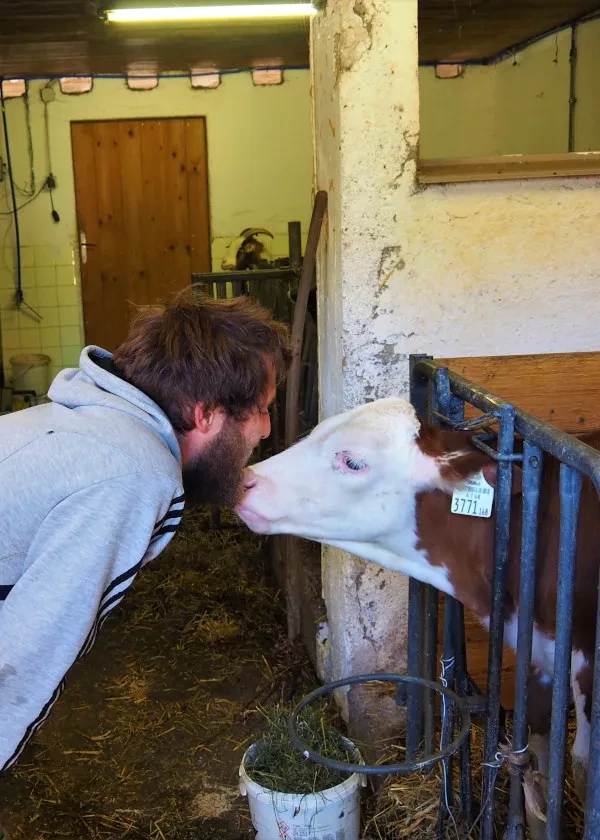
(92, 384)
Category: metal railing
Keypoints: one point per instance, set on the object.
(439, 396)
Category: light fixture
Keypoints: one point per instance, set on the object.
(70, 85)
(12, 88)
(178, 13)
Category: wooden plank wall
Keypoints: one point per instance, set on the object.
(560, 388)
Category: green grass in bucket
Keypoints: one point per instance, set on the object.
(277, 765)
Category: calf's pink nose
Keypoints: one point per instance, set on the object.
(250, 480)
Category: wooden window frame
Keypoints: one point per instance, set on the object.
(507, 167)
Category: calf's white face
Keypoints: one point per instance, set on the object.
(353, 480)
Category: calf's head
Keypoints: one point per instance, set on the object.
(356, 477)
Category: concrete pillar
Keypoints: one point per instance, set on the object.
(366, 101)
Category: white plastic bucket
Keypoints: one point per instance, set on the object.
(332, 814)
(30, 372)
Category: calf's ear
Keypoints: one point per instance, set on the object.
(456, 459)
(456, 467)
(490, 473)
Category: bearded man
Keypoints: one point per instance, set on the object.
(93, 483)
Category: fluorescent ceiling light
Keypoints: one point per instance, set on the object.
(175, 13)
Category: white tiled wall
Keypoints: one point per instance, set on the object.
(275, 188)
(51, 288)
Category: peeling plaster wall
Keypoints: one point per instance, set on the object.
(498, 268)
(362, 164)
(326, 119)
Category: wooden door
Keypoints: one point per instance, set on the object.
(142, 211)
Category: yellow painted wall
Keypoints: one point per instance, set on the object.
(458, 116)
(260, 173)
(517, 106)
(532, 98)
(587, 79)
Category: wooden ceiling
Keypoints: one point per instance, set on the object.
(61, 37)
(474, 30)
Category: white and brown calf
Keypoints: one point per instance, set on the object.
(378, 483)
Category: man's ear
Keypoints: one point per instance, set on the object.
(208, 421)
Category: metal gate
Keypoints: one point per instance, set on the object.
(439, 396)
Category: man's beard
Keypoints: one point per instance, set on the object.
(215, 475)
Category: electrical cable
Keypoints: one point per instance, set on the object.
(25, 203)
(29, 191)
(19, 296)
(50, 182)
(15, 212)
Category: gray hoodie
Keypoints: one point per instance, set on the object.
(90, 491)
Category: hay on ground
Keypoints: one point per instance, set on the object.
(409, 805)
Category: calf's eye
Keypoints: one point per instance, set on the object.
(353, 463)
(347, 462)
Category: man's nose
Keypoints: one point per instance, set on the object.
(265, 430)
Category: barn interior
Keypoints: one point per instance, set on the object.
(137, 157)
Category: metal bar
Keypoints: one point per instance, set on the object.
(476, 441)
(295, 245)
(429, 671)
(453, 408)
(592, 814)
(503, 500)
(443, 395)
(219, 277)
(532, 477)
(576, 455)
(431, 402)
(410, 695)
(445, 407)
(462, 689)
(308, 269)
(450, 409)
(447, 678)
(570, 491)
(481, 422)
(237, 286)
(561, 445)
(414, 720)
(292, 586)
(463, 726)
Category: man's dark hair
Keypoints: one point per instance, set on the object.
(201, 350)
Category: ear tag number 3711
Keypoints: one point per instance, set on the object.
(473, 498)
